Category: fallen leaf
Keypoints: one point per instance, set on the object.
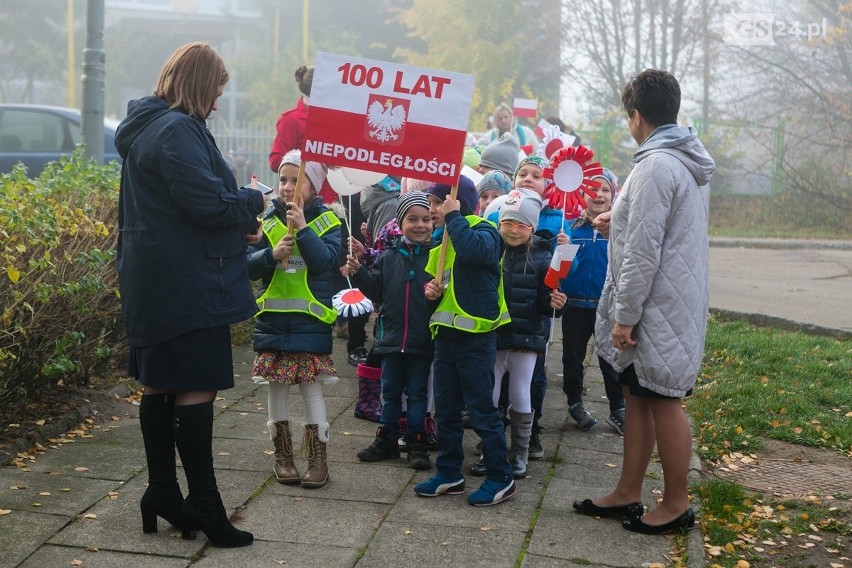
(81, 469)
(45, 494)
(407, 532)
(610, 465)
(485, 528)
(40, 422)
(281, 562)
(445, 543)
(90, 516)
(93, 549)
(743, 564)
(65, 489)
(16, 487)
(223, 454)
(5, 511)
(243, 413)
(268, 452)
(76, 562)
(36, 504)
(297, 498)
(115, 418)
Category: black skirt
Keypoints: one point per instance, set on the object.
(200, 360)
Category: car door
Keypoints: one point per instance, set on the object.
(34, 137)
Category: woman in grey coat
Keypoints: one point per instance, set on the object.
(652, 315)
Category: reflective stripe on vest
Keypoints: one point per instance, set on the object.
(449, 313)
(288, 290)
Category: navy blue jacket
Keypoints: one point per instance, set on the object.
(477, 265)
(396, 282)
(527, 298)
(182, 224)
(294, 332)
(583, 286)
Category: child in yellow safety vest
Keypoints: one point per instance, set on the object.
(293, 330)
(469, 294)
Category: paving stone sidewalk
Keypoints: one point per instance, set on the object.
(79, 502)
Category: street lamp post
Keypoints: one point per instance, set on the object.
(93, 81)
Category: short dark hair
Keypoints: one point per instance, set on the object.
(655, 94)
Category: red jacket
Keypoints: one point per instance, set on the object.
(290, 135)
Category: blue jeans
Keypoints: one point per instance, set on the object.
(464, 375)
(408, 373)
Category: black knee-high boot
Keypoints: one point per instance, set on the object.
(203, 508)
(162, 498)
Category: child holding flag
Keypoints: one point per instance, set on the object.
(471, 306)
(583, 289)
(292, 332)
(525, 264)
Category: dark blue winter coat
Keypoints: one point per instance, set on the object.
(182, 223)
(477, 265)
(294, 332)
(396, 282)
(527, 298)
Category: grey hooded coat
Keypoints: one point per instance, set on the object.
(658, 263)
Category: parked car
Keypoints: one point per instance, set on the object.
(37, 134)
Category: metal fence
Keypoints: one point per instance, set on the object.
(253, 140)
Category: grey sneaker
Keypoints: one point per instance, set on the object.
(616, 420)
(581, 416)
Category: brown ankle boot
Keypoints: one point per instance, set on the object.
(316, 436)
(284, 468)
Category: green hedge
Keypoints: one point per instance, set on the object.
(61, 315)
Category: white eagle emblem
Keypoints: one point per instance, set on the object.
(385, 119)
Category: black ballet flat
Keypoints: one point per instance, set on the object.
(681, 524)
(586, 507)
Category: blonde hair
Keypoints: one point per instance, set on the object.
(190, 79)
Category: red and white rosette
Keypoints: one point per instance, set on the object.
(351, 302)
(571, 170)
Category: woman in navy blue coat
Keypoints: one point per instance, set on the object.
(183, 227)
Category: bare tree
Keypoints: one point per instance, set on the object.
(609, 41)
(800, 85)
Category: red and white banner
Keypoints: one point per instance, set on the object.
(527, 108)
(388, 117)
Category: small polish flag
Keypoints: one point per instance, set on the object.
(560, 264)
(527, 108)
(540, 127)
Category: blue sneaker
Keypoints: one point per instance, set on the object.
(491, 492)
(438, 485)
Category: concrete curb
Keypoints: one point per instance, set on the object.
(737, 242)
(60, 425)
(780, 323)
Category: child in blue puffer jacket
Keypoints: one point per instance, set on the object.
(583, 288)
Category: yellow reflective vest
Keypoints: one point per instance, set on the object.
(449, 313)
(288, 290)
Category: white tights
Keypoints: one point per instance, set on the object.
(312, 395)
(520, 366)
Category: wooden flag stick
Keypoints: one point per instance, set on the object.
(442, 254)
(297, 199)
